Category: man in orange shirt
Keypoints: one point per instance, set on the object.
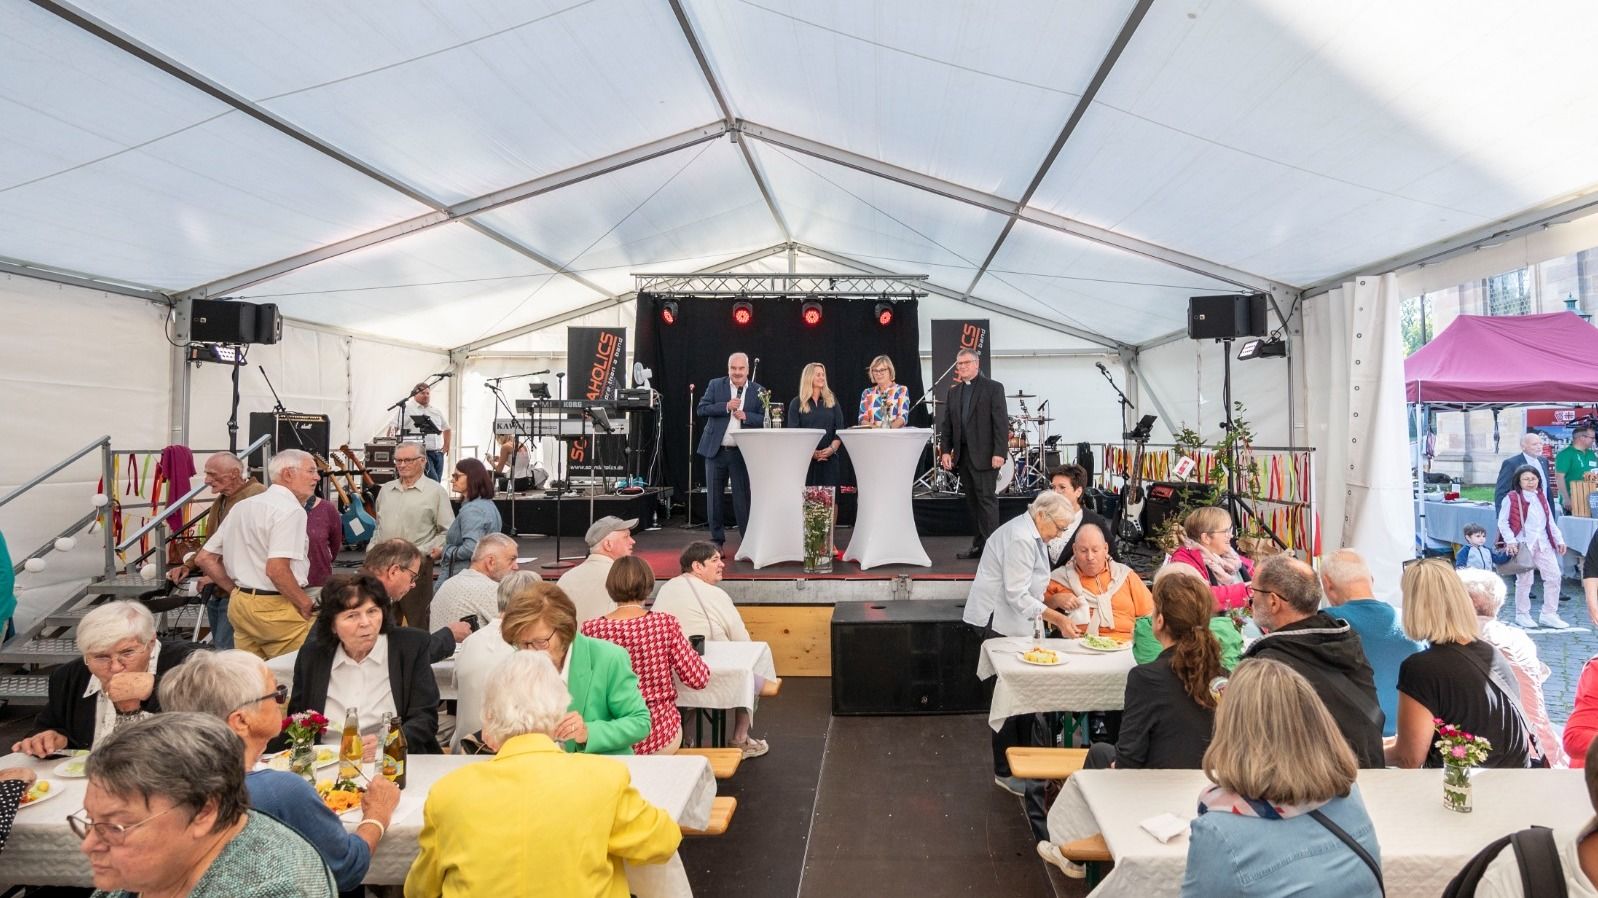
(1114, 594)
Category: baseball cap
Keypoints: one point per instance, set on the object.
(605, 526)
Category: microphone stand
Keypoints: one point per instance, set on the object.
(688, 497)
(933, 479)
(517, 433)
(560, 494)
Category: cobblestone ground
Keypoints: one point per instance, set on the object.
(1564, 651)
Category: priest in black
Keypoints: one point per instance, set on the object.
(975, 433)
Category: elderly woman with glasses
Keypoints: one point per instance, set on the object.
(478, 836)
(607, 714)
(238, 689)
(1207, 548)
(112, 685)
(167, 814)
(356, 658)
(477, 518)
(884, 403)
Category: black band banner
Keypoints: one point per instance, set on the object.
(596, 364)
(949, 336)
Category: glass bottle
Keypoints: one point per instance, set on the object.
(350, 750)
(394, 750)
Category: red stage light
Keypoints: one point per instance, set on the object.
(742, 313)
(884, 313)
(668, 312)
(810, 312)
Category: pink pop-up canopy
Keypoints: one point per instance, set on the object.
(1507, 360)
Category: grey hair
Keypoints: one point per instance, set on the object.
(213, 683)
(742, 355)
(515, 583)
(1486, 590)
(968, 353)
(524, 695)
(191, 759)
(420, 452)
(233, 462)
(1344, 566)
(491, 542)
(113, 622)
(1528, 436)
(1052, 504)
(288, 458)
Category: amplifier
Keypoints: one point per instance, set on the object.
(291, 430)
(910, 656)
(1165, 497)
(378, 455)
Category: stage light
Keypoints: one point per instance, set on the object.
(810, 313)
(743, 313)
(1275, 347)
(668, 312)
(884, 313)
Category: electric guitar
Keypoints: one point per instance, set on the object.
(358, 523)
(1133, 496)
(369, 491)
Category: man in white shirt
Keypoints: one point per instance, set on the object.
(608, 538)
(436, 444)
(260, 555)
(417, 510)
(1578, 853)
(480, 654)
(476, 589)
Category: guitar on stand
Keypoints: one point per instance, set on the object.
(358, 525)
(1129, 527)
(360, 499)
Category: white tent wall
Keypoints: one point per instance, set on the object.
(1188, 377)
(79, 364)
(1355, 369)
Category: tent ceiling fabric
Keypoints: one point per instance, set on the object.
(1288, 140)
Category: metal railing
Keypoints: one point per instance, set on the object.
(103, 444)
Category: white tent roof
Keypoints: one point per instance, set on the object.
(367, 164)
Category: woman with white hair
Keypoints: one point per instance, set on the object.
(1487, 591)
(477, 834)
(112, 685)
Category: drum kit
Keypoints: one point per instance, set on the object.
(1025, 469)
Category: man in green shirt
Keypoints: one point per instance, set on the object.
(1575, 462)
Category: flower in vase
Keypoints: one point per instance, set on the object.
(1459, 751)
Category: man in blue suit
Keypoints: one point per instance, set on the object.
(1531, 453)
(728, 405)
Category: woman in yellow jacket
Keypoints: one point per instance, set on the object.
(534, 820)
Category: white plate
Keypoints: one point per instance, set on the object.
(72, 768)
(55, 789)
(326, 756)
(1056, 663)
(1088, 648)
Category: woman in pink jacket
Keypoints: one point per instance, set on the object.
(1207, 547)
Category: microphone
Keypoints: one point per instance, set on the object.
(691, 389)
(444, 374)
(1100, 366)
(536, 373)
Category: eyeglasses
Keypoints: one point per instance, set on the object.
(407, 461)
(413, 573)
(1255, 592)
(280, 694)
(112, 833)
(124, 657)
(536, 644)
(879, 371)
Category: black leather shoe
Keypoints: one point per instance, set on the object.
(968, 554)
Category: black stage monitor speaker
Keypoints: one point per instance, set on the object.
(227, 321)
(290, 431)
(1165, 498)
(910, 656)
(1226, 317)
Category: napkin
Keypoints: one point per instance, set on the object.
(1165, 827)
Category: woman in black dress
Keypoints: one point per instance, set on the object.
(815, 406)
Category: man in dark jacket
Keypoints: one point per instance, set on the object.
(976, 434)
(1325, 650)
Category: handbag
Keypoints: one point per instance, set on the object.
(1520, 564)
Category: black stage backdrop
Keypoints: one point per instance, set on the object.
(695, 350)
(597, 362)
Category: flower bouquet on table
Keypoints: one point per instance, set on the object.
(820, 513)
(303, 729)
(1461, 753)
(770, 408)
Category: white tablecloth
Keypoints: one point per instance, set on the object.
(778, 461)
(43, 851)
(737, 670)
(282, 667)
(1423, 844)
(885, 468)
(1085, 682)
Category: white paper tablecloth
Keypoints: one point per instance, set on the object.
(737, 670)
(282, 667)
(1423, 844)
(885, 523)
(778, 461)
(1085, 682)
(43, 851)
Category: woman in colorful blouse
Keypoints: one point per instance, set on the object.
(884, 403)
(657, 648)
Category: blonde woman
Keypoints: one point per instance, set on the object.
(815, 406)
(1207, 548)
(1284, 816)
(1460, 678)
(884, 403)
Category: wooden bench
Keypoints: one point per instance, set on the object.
(1038, 763)
(721, 809)
(723, 761)
(771, 687)
(1090, 852)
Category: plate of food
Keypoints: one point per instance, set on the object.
(1103, 644)
(340, 801)
(43, 790)
(1041, 657)
(73, 768)
(326, 755)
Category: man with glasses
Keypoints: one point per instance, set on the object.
(261, 557)
(416, 509)
(397, 565)
(112, 685)
(975, 434)
(1286, 598)
(238, 689)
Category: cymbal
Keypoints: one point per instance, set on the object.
(1019, 395)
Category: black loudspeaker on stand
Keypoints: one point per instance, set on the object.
(1226, 317)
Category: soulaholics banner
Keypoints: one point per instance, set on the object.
(597, 366)
(949, 336)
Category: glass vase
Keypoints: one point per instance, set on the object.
(820, 513)
(1456, 787)
(302, 760)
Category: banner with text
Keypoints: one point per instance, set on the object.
(597, 370)
(949, 336)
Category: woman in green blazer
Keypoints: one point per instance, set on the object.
(608, 714)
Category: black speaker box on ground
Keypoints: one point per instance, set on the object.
(909, 656)
(1165, 498)
(290, 431)
(1226, 317)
